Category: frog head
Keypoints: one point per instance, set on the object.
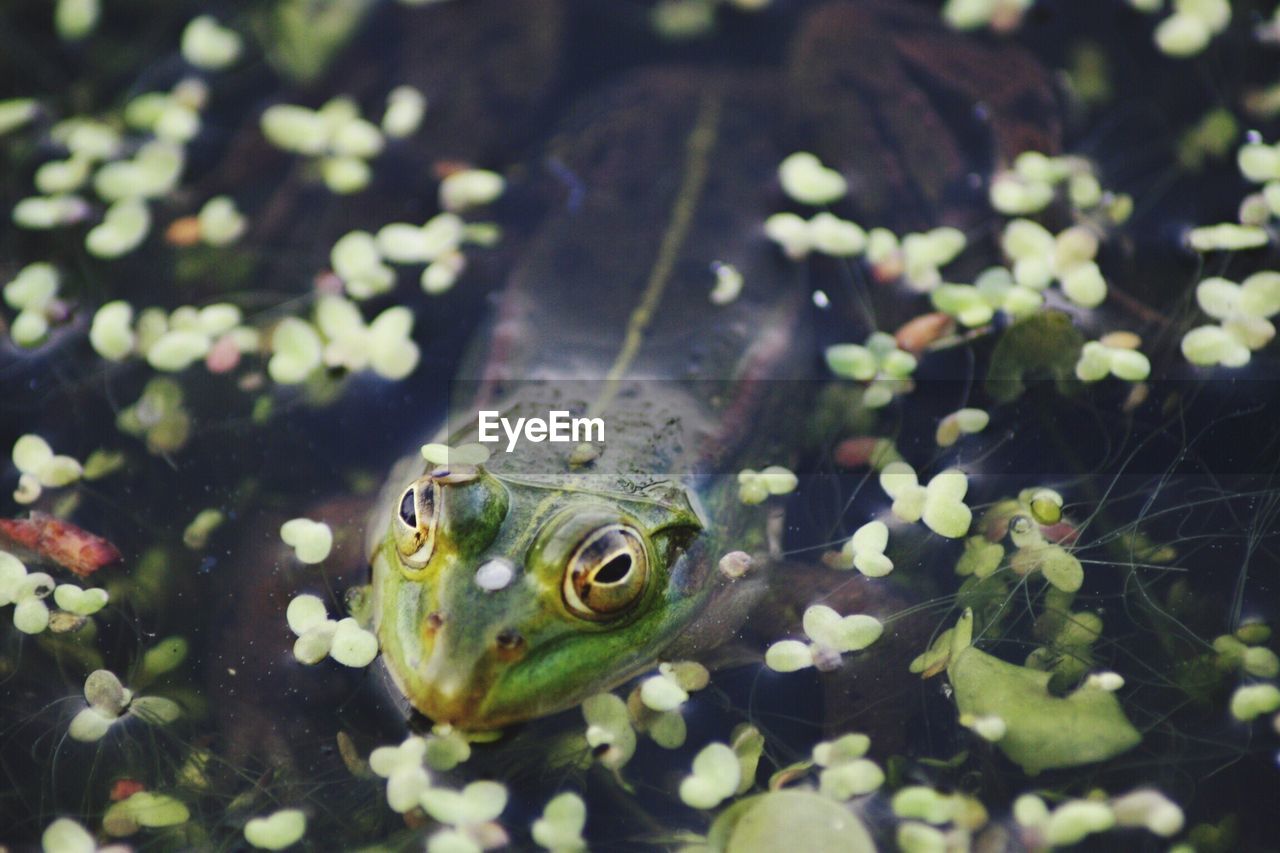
(497, 600)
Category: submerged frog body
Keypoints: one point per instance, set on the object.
(520, 586)
(523, 585)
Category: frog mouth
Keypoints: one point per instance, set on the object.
(449, 687)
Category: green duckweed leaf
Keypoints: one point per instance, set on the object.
(1043, 344)
(1043, 731)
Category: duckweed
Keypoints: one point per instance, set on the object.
(277, 830)
(806, 180)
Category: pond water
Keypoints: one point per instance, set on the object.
(932, 349)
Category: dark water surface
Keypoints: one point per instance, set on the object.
(1172, 495)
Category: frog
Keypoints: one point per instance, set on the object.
(516, 587)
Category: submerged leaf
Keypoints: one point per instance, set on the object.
(1043, 731)
(1046, 343)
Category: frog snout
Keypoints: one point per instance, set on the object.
(462, 667)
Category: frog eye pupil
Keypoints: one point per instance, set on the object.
(614, 571)
(608, 573)
(408, 512)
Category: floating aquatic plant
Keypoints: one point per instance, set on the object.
(755, 487)
(864, 551)
(464, 454)
(831, 635)
(1243, 311)
(33, 293)
(26, 591)
(277, 830)
(846, 772)
(404, 769)
(609, 732)
(469, 814)
(960, 422)
(940, 504)
(1042, 731)
(805, 179)
(111, 703)
(208, 45)
(560, 827)
(40, 468)
(715, 777)
(879, 362)
(144, 809)
(406, 107)
(320, 637)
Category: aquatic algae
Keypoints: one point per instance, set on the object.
(277, 830)
(1042, 731)
(123, 228)
(824, 233)
(967, 421)
(846, 773)
(76, 19)
(403, 768)
(1193, 24)
(715, 777)
(878, 361)
(470, 188)
(221, 224)
(320, 637)
(662, 693)
(208, 45)
(831, 636)
(1072, 821)
(559, 829)
(609, 731)
(1254, 700)
(789, 819)
(40, 468)
(472, 453)
(1098, 360)
(940, 504)
(1227, 237)
(864, 551)
(1149, 809)
(16, 113)
(1243, 311)
(65, 835)
(110, 702)
(1001, 15)
(1047, 343)
(296, 351)
(805, 179)
(144, 809)
(728, 283)
(26, 591)
(406, 107)
(755, 487)
(478, 802)
(33, 293)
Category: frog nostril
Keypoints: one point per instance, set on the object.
(509, 641)
(434, 620)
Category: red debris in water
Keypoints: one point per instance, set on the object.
(918, 333)
(855, 452)
(61, 541)
(444, 168)
(123, 789)
(223, 356)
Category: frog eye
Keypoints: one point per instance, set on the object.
(415, 523)
(606, 573)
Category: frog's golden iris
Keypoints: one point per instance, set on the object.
(607, 573)
(416, 522)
